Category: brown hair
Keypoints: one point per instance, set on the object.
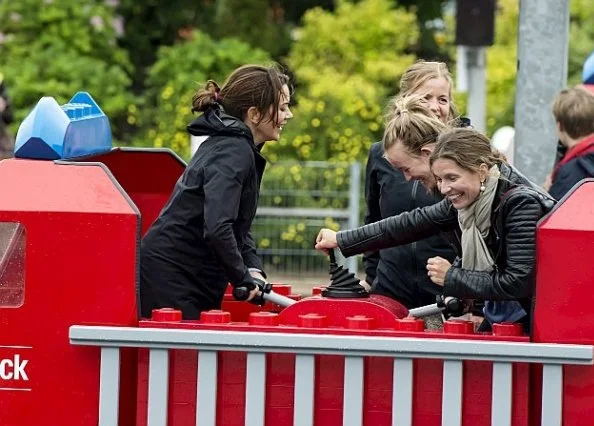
(574, 111)
(410, 122)
(248, 86)
(467, 148)
(420, 73)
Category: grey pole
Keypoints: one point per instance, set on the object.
(543, 41)
(477, 89)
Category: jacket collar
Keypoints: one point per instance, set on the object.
(215, 121)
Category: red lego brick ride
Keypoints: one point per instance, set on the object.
(69, 235)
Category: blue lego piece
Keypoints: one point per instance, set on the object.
(588, 70)
(53, 132)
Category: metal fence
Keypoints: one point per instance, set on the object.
(306, 347)
(296, 200)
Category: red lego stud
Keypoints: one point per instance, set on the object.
(166, 315)
(360, 322)
(458, 327)
(316, 291)
(263, 318)
(282, 289)
(410, 324)
(508, 329)
(215, 317)
(312, 321)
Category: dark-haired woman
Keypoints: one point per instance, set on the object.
(201, 240)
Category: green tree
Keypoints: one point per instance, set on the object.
(176, 75)
(56, 48)
(255, 22)
(345, 68)
(581, 38)
(502, 57)
(501, 67)
(150, 24)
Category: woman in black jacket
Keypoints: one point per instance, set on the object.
(490, 212)
(201, 240)
(399, 272)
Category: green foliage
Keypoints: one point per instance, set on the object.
(255, 22)
(176, 75)
(56, 48)
(153, 23)
(501, 67)
(502, 57)
(581, 38)
(345, 68)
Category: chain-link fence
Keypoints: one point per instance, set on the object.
(296, 200)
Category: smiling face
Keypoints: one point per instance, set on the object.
(267, 129)
(412, 166)
(460, 186)
(436, 97)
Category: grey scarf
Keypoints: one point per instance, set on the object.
(475, 221)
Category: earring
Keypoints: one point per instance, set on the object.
(482, 186)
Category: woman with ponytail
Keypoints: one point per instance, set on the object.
(490, 212)
(201, 239)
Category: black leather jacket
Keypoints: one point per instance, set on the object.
(511, 239)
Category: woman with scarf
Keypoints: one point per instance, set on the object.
(490, 212)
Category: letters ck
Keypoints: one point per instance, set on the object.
(13, 368)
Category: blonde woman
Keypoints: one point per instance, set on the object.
(399, 272)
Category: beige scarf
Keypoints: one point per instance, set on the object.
(475, 221)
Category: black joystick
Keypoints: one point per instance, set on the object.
(343, 284)
(451, 306)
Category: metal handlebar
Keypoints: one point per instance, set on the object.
(266, 293)
(446, 305)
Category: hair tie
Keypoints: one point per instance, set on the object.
(402, 111)
(216, 95)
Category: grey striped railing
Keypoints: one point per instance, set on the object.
(306, 346)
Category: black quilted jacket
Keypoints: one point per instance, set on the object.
(511, 239)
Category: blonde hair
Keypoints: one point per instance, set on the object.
(412, 124)
(420, 73)
(574, 111)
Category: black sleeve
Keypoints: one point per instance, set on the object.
(404, 228)
(514, 281)
(250, 255)
(373, 214)
(224, 176)
(567, 176)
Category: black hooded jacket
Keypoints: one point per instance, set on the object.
(400, 272)
(201, 239)
(571, 173)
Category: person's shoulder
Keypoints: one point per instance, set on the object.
(525, 196)
(233, 143)
(586, 164)
(376, 151)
